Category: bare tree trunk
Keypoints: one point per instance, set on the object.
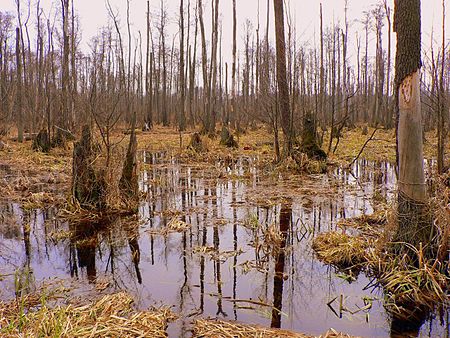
(129, 77)
(389, 115)
(379, 66)
(19, 104)
(148, 76)
(414, 228)
(442, 131)
(206, 94)
(322, 73)
(192, 68)
(344, 64)
(233, 67)
(283, 89)
(366, 67)
(65, 119)
(211, 125)
(74, 79)
(182, 89)
(165, 117)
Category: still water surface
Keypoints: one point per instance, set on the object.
(221, 267)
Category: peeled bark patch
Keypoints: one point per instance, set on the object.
(410, 146)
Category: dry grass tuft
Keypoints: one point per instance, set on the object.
(407, 287)
(334, 334)
(175, 225)
(210, 328)
(340, 250)
(110, 316)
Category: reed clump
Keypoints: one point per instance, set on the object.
(410, 282)
(212, 328)
(110, 316)
(340, 249)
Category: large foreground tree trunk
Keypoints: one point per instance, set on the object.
(413, 222)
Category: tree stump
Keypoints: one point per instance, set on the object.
(62, 137)
(196, 143)
(309, 144)
(88, 188)
(365, 131)
(42, 142)
(129, 184)
(227, 139)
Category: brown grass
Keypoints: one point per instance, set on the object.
(340, 250)
(210, 328)
(110, 316)
(407, 287)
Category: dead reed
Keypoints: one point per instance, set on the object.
(211, 328)
(340, 250)
(408, 284)
(110, 316)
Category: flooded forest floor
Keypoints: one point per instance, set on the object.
(222, 239)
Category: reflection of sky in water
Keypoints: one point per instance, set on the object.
(217, 209)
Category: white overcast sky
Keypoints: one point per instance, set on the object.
(305, 14)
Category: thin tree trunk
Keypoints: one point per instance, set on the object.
(65, 119)
(182, 90)
(206, 94)
(283, 89)
(233, 67)
(19, 104)
(148, 76)
(442, 132)
(322, 73)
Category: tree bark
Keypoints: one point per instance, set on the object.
(19, 103)
(182, 90)
(283, 90)
(442, 131)
(233, 66)
(148, 76)
(206, 94)
(414, 226)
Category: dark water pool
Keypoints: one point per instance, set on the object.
(222, 266)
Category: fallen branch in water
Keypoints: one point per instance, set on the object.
(363, 147)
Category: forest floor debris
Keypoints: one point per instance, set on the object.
(25, 170)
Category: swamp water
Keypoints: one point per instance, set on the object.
(224, 264)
